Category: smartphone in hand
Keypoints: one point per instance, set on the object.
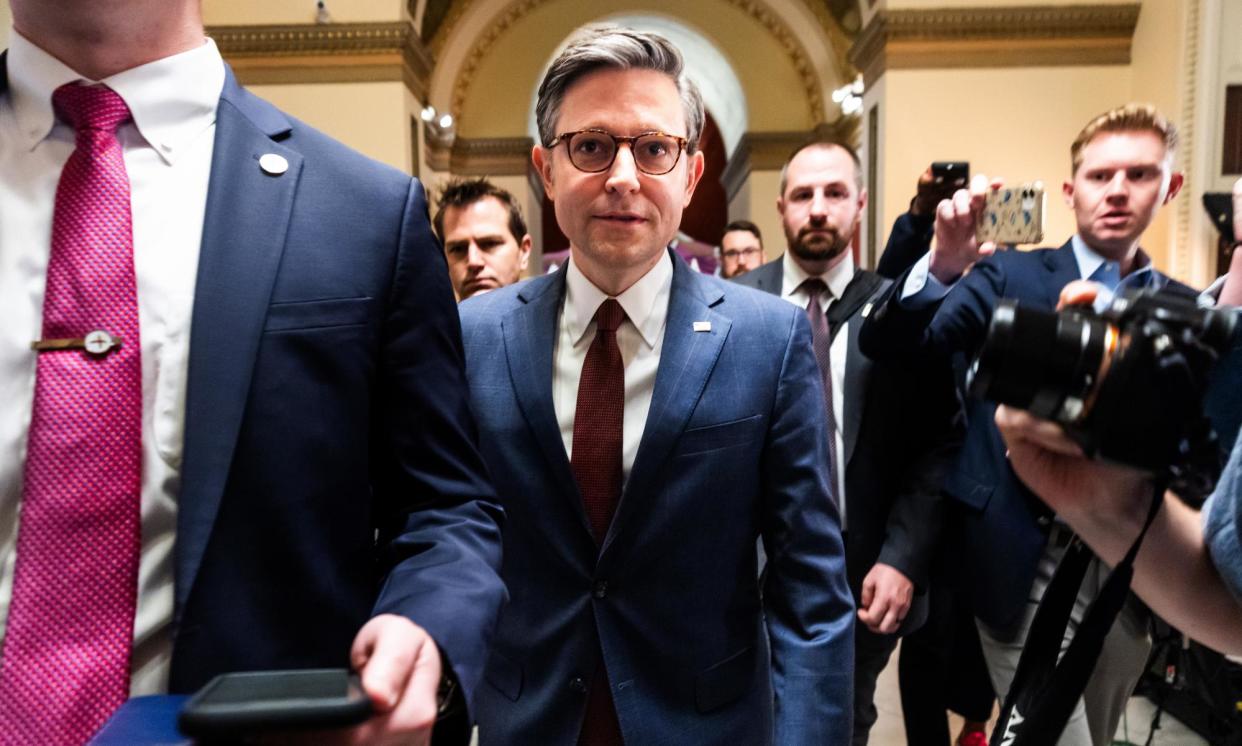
(1013, 215)
(236, 705)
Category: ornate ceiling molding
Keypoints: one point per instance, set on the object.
(1014, 36)
(756, 9)
(500, 156)
(768, 151)
(326, 53)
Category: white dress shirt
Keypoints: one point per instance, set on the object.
(167, 149)
(836, 279)
(640, 337)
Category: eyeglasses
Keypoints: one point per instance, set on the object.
(739, 253)
(593, 151)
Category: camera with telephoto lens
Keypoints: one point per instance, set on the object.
(1126, 383)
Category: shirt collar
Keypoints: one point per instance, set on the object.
(172, 99)
(836, 278)
(1090, 262)
(645, 302)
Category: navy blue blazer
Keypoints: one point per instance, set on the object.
(331, 469)
(735, 448)
(1005, 526)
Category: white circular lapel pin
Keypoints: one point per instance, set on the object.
(272, 164)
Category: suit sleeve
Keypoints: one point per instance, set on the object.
(955, 325)
(932, 440)
(807, 602)
(907, 243)
(438, 515)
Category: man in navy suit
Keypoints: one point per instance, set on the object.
(892, 448)
(1122, 173)
(311, 490)
(645, 424)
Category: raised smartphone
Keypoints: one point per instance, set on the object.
(1013, 215)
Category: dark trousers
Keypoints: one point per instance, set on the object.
(940, 668)
(871, 654)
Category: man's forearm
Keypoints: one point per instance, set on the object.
(1173, 572)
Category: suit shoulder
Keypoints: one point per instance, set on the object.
(489, 307)
(743, 303)
(328, 160)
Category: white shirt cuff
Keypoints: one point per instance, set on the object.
(922, 289)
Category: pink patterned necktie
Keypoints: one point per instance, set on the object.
(66, 655)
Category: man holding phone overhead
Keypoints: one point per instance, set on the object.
(220, 448)
(1122, 173)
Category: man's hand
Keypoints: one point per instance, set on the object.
(886, 597)
(400, 669)
(1231, 291)
(927, 196)
(956, 247)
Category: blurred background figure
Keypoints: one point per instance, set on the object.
(741, 249)
(485, 238)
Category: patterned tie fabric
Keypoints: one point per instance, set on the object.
(821, 342)
(66, 655)
(596, 465)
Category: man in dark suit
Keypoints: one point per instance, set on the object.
(891, 450)
(309, 451)
(1122, 173)
(645, 424)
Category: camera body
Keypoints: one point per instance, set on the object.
(1126, 383)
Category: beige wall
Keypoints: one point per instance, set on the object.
(6, 20)
(369, 117)
(238, 12)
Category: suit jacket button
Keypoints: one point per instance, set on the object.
(578, 685)
(600, 589)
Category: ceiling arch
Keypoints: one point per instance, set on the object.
(786, 55)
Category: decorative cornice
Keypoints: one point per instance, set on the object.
(1015, 36)
(1181, 262)
(500, 156)
(768, 151)
(802, 64)
(756, 9)
(326, 53)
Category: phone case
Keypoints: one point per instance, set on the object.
(1013, 215)
(238, 704)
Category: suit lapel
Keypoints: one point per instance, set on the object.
(529, 334)
(857, 369)
(846, 312)
(247, 218)
(687, 358)
(1063, 268)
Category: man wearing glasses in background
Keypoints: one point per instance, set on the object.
(644, 424)
(741, 249)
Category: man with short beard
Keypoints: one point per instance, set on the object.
(887, 469)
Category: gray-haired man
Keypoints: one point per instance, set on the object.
(644, 424)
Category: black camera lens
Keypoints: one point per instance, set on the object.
(1041, 361)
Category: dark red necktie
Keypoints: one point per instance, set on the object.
(821, 342)
(70, 626)
(596, 464)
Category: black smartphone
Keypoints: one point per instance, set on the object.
(234, 705)
(1219, 206)
(948, 177)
